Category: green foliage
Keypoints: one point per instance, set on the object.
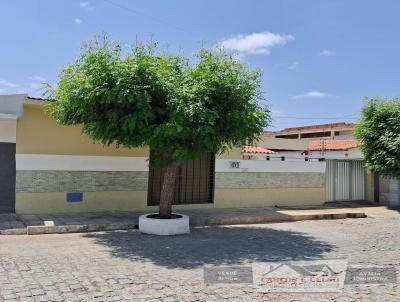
(149, 98)
(379, 131)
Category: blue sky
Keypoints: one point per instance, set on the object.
(319, 58)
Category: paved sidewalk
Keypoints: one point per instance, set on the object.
(130, 266)
(12, 224)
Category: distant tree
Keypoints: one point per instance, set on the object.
(379, 132)
(149, 98)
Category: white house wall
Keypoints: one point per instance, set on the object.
(8, 127)
(41, 162)
(12, 104)
(269, 166)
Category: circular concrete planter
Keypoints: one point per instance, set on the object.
(165, 227)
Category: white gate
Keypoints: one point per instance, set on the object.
(345, 180)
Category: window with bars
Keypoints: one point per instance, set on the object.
(194, 183)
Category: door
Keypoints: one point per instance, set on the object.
(345, 180)
(7, 177)
(194, 184)
(376, 187)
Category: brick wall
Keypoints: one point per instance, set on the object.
(258, 180)
(80, 181)
(90, 181)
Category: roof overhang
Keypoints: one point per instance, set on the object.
(12, 104)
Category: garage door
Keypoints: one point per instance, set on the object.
(345, 180)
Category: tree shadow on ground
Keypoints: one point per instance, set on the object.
(221, 245)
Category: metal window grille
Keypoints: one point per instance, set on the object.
(194, 183)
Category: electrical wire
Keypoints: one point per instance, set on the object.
(139, 13)
(317, 118)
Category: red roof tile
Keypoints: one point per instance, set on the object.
(332, 145)
(254, 149)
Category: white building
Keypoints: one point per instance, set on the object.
(310, 143)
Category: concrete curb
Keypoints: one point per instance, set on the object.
(78, 228)
(14, 232)
(252, 219)
(194, 221)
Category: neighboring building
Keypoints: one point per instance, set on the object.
(325, 131)
(346, 177)
(334, 149)
(312, 143)
(315, 151)
(254, 152)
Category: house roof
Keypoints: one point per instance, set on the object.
(35, 98)
(332, 145)
(35, 102)
(256, 150)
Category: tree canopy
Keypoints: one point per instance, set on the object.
(150, 98)
(379, 132)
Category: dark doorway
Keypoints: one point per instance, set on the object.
(7, 178)
(194, 184)
(376, 187)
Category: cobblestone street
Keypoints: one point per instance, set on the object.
(129, 266)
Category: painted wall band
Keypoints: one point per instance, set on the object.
(46, 162)
(42, 162)
(269, 166)
(32, 203)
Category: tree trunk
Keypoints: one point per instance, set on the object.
(167, 191)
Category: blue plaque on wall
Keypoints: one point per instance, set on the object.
(75, 197)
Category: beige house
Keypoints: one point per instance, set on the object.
(49, 168)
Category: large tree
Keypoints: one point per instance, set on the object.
(150, 98)
(379, 132)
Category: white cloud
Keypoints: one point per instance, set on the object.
(312, 95)
(327, 53)
(7, 84)
(293, 65)
(87, 6)
(77, 21)
(255, 43)
(37, 78)
(35, 86)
